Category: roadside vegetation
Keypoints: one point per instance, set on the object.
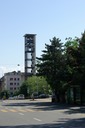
(63, 66)
(35, 85)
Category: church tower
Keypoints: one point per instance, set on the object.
(30, 54)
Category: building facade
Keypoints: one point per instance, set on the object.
(1, 84)
(13, 81)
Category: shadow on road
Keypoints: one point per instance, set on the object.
(64, 123)
(47, 106)
(74, 110)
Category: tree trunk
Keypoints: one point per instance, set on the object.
(63, 98)
(74, 95)
(57, 96)
(81, 95)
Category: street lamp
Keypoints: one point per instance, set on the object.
(18, 66)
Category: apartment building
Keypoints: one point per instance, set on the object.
(13, 81)
(1, 84)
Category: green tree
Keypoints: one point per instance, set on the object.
(71, 57)
(23, 89)
(4, 94)
(72, 64)
(81, 68)
(16, 93)
(52, 64)
(37, 84)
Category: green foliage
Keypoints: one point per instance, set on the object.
(75, 55)
(4, 94)
(81, 67)
(52, 64)
(37, 84)
(16, 93)
(23, 89)
(72, 62)
(71, 43)
(63, 65)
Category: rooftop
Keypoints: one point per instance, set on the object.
(29, 35)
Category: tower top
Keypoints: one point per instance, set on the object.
(29, 35)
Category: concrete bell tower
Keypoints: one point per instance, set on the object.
(30, 54)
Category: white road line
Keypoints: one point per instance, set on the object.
(6, 108)
(37, 119)
(4, 101)
(21, 113)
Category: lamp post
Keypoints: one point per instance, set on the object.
(18, 66)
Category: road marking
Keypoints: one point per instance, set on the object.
(21, 110)
(37, 119)
(12, 110)
(18, 110)
(21, 113)
(30, 110)
(3, 110)
(40, 110)
(4, 101)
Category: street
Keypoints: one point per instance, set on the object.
(40, 113)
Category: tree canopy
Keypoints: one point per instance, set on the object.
(35, 85)
(63, 64)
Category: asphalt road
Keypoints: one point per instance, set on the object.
(40, 113)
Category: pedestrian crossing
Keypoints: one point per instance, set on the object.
(5, 110)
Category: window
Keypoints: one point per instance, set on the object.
(14, 78)
(11, 78)
(29, 63)
(11, 83)
(11, 88)
(17, 78)
(14, 83)
(29, 55)
(29, 70)
(15, 88)
(29, 48)
(17, 83)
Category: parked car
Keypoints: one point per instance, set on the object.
(11, 98)
(21, 96)
(42, 96)
(15, 97)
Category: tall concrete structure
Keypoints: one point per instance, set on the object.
(30, 54)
